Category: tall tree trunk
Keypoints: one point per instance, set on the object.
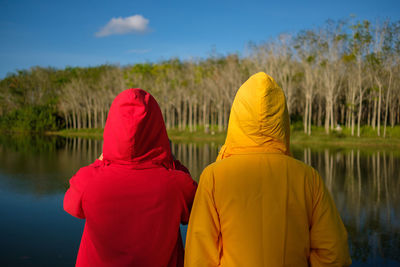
(95, 118)
(359, 114)
(190, 116)
(387, 105)
(103, 118)
(309, 116)
(319, 121)
(179, 118)
(84, 120)
(89, 118)
(348, 118)
(386, 113)
(78, 117)
(226, 116)
(342, 114)
(333, 116)
(195, 117)
(220, 118)
(173, 117)
(374, 114)
(392, 114)
(205, 117)
(74, 119)
(359, 72)
(69, 121)
(179, 113)
(379, 110)
(184, 115)
(212, 115)
(353, 105)
(398, 111)
(353, 121)
(66, 120)
(305, 118)
(328, 115)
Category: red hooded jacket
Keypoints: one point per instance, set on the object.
(136, 197)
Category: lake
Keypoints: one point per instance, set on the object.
(34, 174)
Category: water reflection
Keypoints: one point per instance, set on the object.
(41, 165)
(364, 184)
(196, 156)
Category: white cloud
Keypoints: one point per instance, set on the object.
(132, 24)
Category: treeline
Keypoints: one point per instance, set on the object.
(344, 73)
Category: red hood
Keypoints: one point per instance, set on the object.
(135, 131)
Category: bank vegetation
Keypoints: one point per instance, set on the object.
(342, 75)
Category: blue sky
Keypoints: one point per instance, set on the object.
(88, 33)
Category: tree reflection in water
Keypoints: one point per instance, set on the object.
(366, 187)
(196, 156)
(364, 184)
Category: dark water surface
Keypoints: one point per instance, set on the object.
(34, 174)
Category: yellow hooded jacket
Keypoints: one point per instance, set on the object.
(257, 205)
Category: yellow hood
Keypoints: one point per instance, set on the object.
(259, 119)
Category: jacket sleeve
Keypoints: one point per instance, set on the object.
(328, 235)
(73, 197)
(188, 187)
(203, 237)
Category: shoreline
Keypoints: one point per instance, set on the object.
(297, 138)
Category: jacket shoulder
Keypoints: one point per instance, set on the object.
(84, 175)
(301, 165)
(207, 175)
(243, 162)
(181, 176)
(305, 170)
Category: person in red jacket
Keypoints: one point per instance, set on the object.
(135, 198)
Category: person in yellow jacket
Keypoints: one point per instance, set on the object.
(257, 205)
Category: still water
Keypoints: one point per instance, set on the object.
(34, 174)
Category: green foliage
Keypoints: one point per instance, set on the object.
(349, 54)
(32, 119)
(26, 143)
(93, 133)
(311, 59)
(347, 58)
(374, 59)
(296, 126)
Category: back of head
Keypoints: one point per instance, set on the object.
(259, 119)
(135, 131)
